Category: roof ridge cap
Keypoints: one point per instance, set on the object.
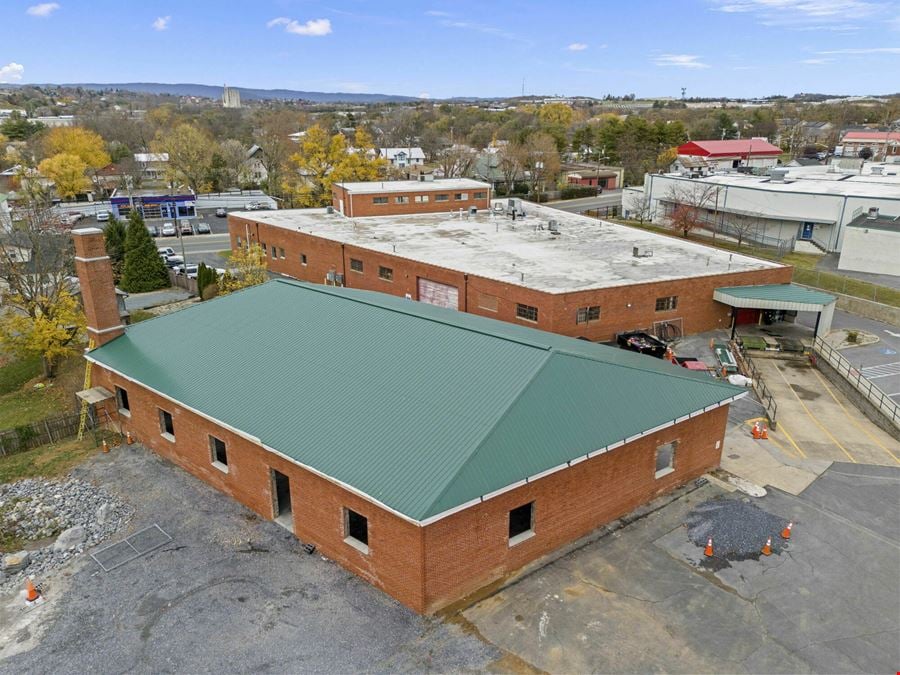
(499, 418)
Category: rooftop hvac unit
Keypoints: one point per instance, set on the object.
(338, 279)
(876, 170)
(473, 210)
(329, 209)
(642, 252)
(777, 175)
(873, 213)
(553, 226)
(329, 276)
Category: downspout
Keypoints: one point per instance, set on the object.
(840, 224)
(465, 292)
(344, 266)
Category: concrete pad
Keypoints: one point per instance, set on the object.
(642, 599)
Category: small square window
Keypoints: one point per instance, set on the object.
(527, 312)
(356, 265)
(587, 314)
(481, 195)
(274, 253)
(281, 253)
(165, 424)
(442, 198)
(385, 273)
(265, 250)
(665, 459)
(401, 200)
(218, 453)
(421, 199)
(303, 259)
(379, 200)
(356, 530)
(122, 400)
(461, 196)
(521, 523)
(667, 303)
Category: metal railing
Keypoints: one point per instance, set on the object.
(759, 386)
(884, 403)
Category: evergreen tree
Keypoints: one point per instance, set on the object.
(144, 270)
(114, 236)
(207, 279)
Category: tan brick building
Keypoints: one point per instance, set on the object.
(397, 197)
(583, 278)
(429, 451)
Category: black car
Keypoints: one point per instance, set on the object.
(203, 228)
(642, 343)
(221, 213)
(153, 230)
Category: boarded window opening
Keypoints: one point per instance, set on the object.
(665, 459)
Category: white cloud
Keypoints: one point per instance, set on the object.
(11, 72)
(483, 28)
(313, 27)
(43, 10)
(424, 94)
(577, 47)
(679, 61)
(863, 50)
(162, 23)
(815, 62)
(437, 12)
(804, 14)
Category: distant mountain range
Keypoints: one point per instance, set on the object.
(209, 91)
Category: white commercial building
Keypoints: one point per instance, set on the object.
(400, 157)
(796, 207)
(872, 244)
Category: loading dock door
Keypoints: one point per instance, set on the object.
(434, 293)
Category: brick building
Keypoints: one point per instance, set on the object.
(378, 198)
(430, 452)
(583, 278)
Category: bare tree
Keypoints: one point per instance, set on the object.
(690, 199)
(508, 161)
(540, 160)
(456, 162)
(638, 206)
(273, 139)
(234, 159)
(742, 225)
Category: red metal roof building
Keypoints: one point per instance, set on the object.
(882, 143)
(734, 153)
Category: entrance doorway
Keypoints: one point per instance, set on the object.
(806, 232)
(281, 497)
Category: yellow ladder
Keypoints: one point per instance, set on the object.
(82, 423)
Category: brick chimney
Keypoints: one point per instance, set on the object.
(98, 289)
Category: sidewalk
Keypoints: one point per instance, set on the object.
(154, 298)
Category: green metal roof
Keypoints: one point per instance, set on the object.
(774, 296)
(421, 408)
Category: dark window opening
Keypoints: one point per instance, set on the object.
(667, 303)
(356, 265)
(521, 520)
(219, 454)
(357, 527)
(385, 273)
(527, 312)
(122, 399)
(165, 423)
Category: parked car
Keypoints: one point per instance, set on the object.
(172, 261)
(254, 206)
(166, 250)
(190, 269)
(153, 230)
(73, 217)
(203, 228)
(221, 213)
(186, 227)
(168, 230)
(103, 216)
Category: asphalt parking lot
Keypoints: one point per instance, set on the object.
(230, 593)
(643, 599)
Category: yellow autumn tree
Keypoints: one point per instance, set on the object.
(249, 268)
(85, 144)
(67, 173)
(50, 328)
(323, 160)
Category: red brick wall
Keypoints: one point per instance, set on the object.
(426, 568)
(556, 312)
(358, 205)
(394, 561)
(470, 549)
(98, 290)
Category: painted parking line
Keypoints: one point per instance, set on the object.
(881, 370)
(813, 417)
(853, 419)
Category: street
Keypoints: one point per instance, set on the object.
(612, 198)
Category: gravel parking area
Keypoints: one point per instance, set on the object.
(230, 593)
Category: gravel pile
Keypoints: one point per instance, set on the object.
(62, 518)
(738, 529)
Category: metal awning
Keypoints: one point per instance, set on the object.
(94, 395)
(774, 296)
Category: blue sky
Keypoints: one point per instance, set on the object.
(439, 48)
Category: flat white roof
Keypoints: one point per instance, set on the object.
(815, 180)
(373, 187)
(587, 254)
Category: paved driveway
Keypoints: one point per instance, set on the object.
(230, 593)
(639, 600)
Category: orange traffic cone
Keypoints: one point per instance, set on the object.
(767, 549)
(764, 433)
(31, 593)
(128, 438)
(755, 430)
(786, 532)
(105, 447)
(708, 551)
